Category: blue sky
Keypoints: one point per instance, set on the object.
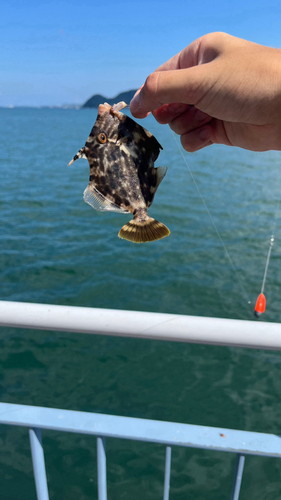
(63, 52)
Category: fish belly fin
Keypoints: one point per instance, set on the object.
(141, 231)
(80, 154)
(99, 202)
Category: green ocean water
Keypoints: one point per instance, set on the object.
(56, 249)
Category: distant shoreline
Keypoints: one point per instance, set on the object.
(71, 106)
(98, 99)
(92, 102)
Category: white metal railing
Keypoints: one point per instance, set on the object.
(169, 434)
(143, 325)
(158, 326)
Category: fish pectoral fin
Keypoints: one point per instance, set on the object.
(121, 141)
(160, 172)
(79, 154)
(99, 202)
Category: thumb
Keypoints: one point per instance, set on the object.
(187, 86)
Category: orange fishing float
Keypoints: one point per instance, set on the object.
(260, 305)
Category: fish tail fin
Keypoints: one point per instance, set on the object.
(141, 231)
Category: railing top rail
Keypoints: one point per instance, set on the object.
(167, 433)
(158, 326)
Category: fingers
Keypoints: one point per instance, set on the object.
(187, 58)
(197, 139)
(185, 77)
(181, 117)
(219, 89)
(184, 59)
(253, 137)
(187, 86)
(213, 132)
(169, 112)
(188, 122)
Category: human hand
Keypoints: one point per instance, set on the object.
(219, 89)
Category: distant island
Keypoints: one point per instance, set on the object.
(97, 99)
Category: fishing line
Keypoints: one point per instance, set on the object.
(272, 239)
(211, 219)
(261, 300)
(267, 262)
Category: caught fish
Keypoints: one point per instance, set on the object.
(123, 179)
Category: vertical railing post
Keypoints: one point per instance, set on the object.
(237, 477)
(37, 454)
(102, 488)
(167, 473)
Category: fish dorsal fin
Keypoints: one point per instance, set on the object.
(161, 172)
(99, 202)
(80, 154)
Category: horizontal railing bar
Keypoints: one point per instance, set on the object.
(154, 431)
(158, 326)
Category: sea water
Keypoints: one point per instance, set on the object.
(56, 249)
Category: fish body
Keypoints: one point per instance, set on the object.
(121, 156)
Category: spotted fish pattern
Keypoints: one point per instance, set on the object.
(123, 179)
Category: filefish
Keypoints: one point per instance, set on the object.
(123, 179)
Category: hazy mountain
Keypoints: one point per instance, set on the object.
(97, 99)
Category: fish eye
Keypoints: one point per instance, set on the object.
(102, 137)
